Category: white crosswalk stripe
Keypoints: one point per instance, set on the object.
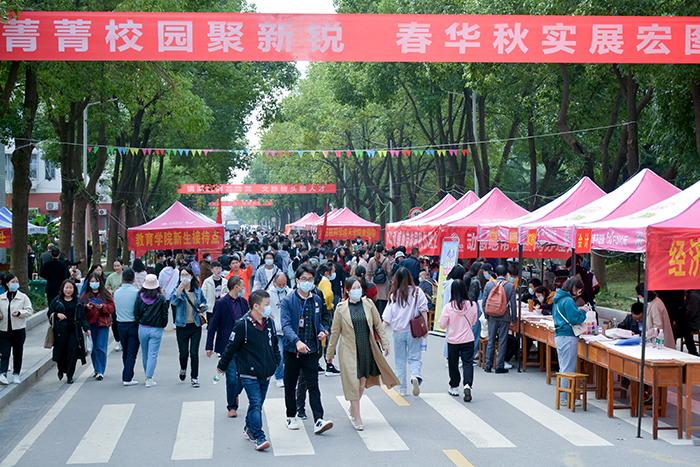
(285, 442)
(553, 420)
(378, 434)
(467, 422)
(102, 437)
(195, 432)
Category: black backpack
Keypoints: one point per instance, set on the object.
(380, 274)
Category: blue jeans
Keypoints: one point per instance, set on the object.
(567, 354)
(279, 373)
(497, 328)
(476, 328)
(233, 385)
(129, 338)
(256, 390)
(407, 353)
(98, 356)
(150, 338)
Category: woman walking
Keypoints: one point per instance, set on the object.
(99, 311)
(67, 317)
(458, 317)
(151, 313)
(566, 314)
(15, 308)
(139, 272)
(190, 306)
(356, 323)
(406, 302)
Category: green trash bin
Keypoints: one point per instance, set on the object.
(38, 286)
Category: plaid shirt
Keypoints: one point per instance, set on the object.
(308, 333)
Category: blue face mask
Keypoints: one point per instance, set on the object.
(242, 291)
(332, 277)
(306, 286)
(267, 311)
(94, 285)
(14, 286)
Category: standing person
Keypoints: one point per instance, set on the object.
(55, 272)
(412, 263)
(254, 345)
(99, 273)
(277, 294)
(15, 308)
(565, 314)
(326, 274)
(406, 302)
(160, 262)
(303, 331)
(500, 308)
(151, 313)
(67, 317)
(266, 274)
(657, 316)
(139, 272)
(124, 303)
(244, 271)
(168, 277)
(458, 318)
(99, 311)
(190, 306)
(214, 287)
(379, 274)
(113, 282)
(252, 258)
(357, 324)
(339, 277)
(227, 311)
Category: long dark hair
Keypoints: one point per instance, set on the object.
(457, 272)
(459, 293)
(102, 292)
(401, 285)
(5, 280)
(91, 271)
(194, 284)
(63, 285)
(473, 272)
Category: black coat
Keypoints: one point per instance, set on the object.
(154, 314)
(55, 272)
(68, 332)
(256, 351)
(630, 324)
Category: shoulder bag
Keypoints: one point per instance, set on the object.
(419, 328)
(578, 329)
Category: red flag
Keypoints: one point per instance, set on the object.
(219, 215)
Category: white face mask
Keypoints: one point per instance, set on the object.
(185, 279)
(269, 261)
(355, 295)
(531, 291)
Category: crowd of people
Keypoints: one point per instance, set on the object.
(279, 308)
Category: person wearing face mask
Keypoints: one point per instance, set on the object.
(99, 311)
(214, 287)
(254, 345)
(67, 318)
(277, 294)
(113, 282)
(326, 274)
(358, 328)
(227, 311)
(242, 270)
(15, 308)
(529, 296)
(190, 307)
(543, 300)
(266, 273)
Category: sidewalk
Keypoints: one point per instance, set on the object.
(36, 361)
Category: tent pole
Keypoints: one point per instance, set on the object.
(640, 401)
(573, 262)
(518, 304)
(639, 269)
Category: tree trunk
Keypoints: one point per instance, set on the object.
(567, 135)
(21, 183)
(532, 153)
(598, 268)
(632, 127)
(695, 90)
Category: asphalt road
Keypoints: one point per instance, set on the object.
(510, 421)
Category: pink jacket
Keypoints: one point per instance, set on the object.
(459, 322)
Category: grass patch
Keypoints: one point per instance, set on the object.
(38, 300)
(622, 279)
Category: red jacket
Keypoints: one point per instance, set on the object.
(101, 317)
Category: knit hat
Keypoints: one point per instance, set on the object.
(151, 282)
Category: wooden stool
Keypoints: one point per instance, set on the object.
(576, 389)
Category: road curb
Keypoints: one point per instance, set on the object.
(13, 391)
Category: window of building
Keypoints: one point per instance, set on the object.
(10, 172)
(49, 170)
(32, 166)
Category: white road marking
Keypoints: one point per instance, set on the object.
(195, 432)
(552, 420)
(378, 435)
(99, 442)
(476, 430)
(285, 442)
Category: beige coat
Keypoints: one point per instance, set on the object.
(344, 331)
(22, 304)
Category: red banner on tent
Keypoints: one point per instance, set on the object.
(5, 238)
(210, 238)
(371, 234)
(187, 36)
(673, 260)
(268, 189)
(242, 203)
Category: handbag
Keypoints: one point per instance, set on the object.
(88, 345)
(578, 329)
(202, 316)
(48, 340)
(419, 328)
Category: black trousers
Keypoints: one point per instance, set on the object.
(464, 352)
(188, 339)
(115, 330)
(129, 333)
(12, 341)
(306, 366)
(381, 306)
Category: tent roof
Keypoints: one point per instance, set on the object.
(439, 207)
(637, 193)
(579, 195)
(6, 217)
(315, 223)
(459, 206)
(629, 233)
(345, 217)
(495, 206)
(178, 216)
(306, 218)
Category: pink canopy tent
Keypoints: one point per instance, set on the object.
(494, 207)
(313, 224)
(440, 207)
(300, 224)
(418, 233)
(178, 228)
(346, 225)
(639, 192)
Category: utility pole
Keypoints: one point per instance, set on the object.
(391, 186)
(476, 180)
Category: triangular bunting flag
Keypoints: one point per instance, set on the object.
(381, 153)
(187, 152)
(453, 152)
(359, 152)
(121, 150)
(300, 153)
(441, 153)
(394, 152)
(337, 154)
(325, 154)
(348, 153)
(430, 152)
(147, 151)
(406, 152)
(465, 152)
(371, 152)
(89, 149)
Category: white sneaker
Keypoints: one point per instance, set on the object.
(321, 426)
(280, 383)
(293, 423)
(453, 391)
(15, 379)
(507, 366)
(118, 347)
(3, 379)
(150, 382)
(133, 382)
(416, 386)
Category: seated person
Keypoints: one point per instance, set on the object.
(528, 296)
(633, 321)
(543, 300)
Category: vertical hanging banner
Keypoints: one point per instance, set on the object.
(448, 259)
(673, 259)
(188, 36)
(267, 189)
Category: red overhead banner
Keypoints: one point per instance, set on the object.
(673, 259)
(371, 234)
(207, 238)
(138, 36)
(268, 189)
(245, 203)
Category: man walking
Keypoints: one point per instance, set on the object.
(124, 301)
(254, 345)
(55, 272)
(499, 306)
(379, 273)
(303, 332)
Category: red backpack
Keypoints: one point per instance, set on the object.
(497, 301)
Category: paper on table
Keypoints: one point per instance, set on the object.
(596, 338)
(652, 353)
